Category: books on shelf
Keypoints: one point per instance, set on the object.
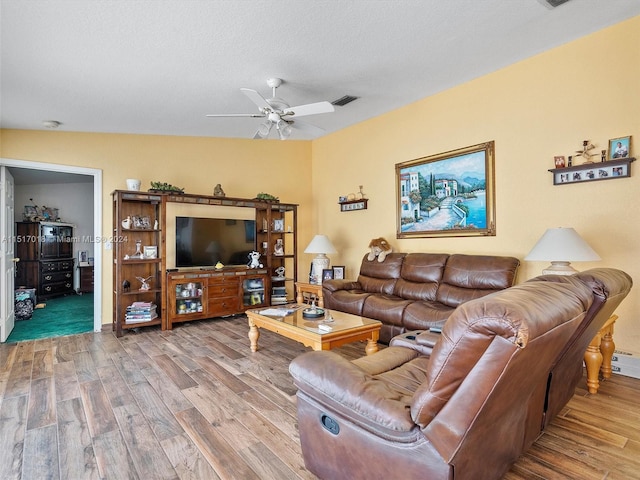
(140, 312)
(278, 295)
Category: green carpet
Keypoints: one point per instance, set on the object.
(61, 316)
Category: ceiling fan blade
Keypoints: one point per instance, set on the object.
(306, 127)
(256, 98)
(310, 109)
(253, 115)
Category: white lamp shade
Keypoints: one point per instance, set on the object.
(561, 246)
(320, 244)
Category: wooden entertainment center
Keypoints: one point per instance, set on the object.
(177, 295)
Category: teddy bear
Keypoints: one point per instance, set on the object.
(379, 248)
(254, 260)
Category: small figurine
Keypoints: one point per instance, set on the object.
(145, 283)
(218, 191)
(138, 253)
(219, 265)
(126, 286)
(603, 155)
(280, 272)
(278, 248)
(586, 151)
(155, 224)
(254, 260)
(126, 223)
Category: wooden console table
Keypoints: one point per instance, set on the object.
(597, 357)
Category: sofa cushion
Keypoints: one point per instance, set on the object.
(420, 276)
(423, 315)
(380, 277)
(467, 277)
(386, 308)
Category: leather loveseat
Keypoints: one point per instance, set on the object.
(467, 411)
(416, 291)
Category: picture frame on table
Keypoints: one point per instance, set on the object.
(327, 274)
(338, 272)
(450, 194)
(619, 148)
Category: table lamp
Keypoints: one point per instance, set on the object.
(321, 245)
(560, 246)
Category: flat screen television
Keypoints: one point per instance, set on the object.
(203, 242)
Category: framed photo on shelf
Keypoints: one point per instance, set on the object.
(338, 272)
(278, 225)
(559, 161)
(83, 258)
(327, 274)
(619, 148)
(450, 194)
(150, 251)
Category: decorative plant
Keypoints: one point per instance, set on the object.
(165, 187)
(267, 197)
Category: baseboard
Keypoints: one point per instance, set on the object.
(626, 363)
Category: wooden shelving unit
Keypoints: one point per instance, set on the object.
(145, 227)
(211, 292)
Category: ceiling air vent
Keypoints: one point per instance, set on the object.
(341, 102)
(552, 3)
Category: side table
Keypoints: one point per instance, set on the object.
(313, 290)
(597, 357)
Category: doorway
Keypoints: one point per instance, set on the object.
(52, 174)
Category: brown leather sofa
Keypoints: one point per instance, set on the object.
(467, 411)
(416, 291)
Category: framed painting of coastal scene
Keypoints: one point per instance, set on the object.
(450, 194)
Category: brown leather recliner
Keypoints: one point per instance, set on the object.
(462, 413)
(609, 287)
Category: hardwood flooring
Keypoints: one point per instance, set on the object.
(195, 403)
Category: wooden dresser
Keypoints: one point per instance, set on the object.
(45, 250)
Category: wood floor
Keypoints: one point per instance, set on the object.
(194, 403)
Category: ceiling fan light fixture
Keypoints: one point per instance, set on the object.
(284, 130)
(263, 130)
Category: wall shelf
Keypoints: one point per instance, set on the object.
(353, 205)
(590, 172)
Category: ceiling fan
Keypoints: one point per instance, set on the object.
(278, 113)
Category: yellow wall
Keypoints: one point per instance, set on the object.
(243, 167)
(535, 109)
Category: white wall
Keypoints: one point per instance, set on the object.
(74, 202)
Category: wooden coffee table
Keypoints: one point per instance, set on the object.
(345, 328)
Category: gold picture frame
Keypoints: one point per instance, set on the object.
(450, 194)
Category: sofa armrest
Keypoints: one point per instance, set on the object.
(335, 285)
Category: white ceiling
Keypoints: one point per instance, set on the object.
(158, 66)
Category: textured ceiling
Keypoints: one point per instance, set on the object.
(158, 66)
